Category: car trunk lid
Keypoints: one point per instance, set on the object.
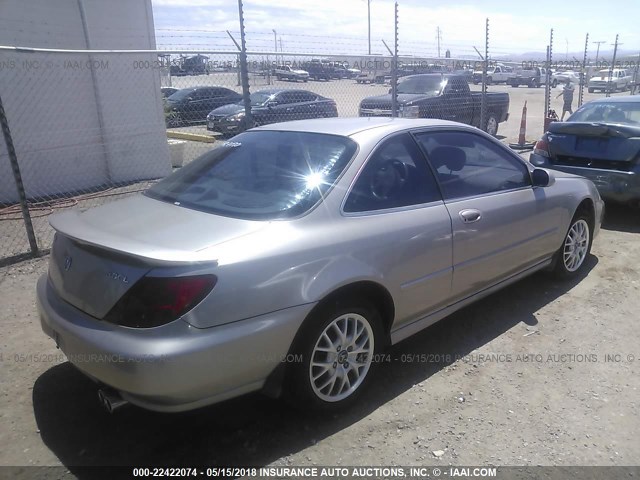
(99, 254)
(593, 145)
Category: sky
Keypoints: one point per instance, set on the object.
(340, 26)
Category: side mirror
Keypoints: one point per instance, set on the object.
(541, 177)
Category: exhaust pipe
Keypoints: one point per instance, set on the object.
(111, 400)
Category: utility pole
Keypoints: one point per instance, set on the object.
(598, 50)
(566, 55)
(613, 65)
(438, 37)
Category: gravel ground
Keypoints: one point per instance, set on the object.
(519, 378)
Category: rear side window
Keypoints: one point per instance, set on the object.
(259, 175)
(396, 175)
(467, 164)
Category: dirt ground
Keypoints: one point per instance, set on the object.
(520, 378)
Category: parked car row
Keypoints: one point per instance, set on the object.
(439, 96)
(223, 110)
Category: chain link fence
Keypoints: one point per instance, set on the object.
(82, 128)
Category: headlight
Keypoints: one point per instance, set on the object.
(409, 111)
(236, 117)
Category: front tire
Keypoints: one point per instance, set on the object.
(575, 248)
(337, 346)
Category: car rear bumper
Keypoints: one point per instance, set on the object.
(174, 367)
(613, 185)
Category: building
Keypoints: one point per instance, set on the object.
(80, 122)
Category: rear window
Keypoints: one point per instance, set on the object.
(260, 175)
(608, 112)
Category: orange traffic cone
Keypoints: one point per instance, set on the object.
(523, 125)
(522, 142)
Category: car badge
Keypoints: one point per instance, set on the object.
(67, 263)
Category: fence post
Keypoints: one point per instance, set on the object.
(613, 65)
(485, 67)
(244, 71)
(33, 244)
(634, 87)
(583, 78)
(547, 87)
(394, 72)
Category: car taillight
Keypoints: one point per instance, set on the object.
(542, 147)
(155, 301)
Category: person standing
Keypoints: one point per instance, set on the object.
(567, 98)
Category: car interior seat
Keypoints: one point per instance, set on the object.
(617, 115)
(447, 161)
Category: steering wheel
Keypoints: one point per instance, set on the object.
(390, 176)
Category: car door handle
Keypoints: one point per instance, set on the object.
(289, 109)
(470, 215)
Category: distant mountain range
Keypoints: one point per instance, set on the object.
(561, 55)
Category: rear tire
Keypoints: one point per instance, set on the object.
(337, 345)
(491, 126)
(576, 246)
(590, 90)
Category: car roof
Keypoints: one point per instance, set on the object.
(274, 91)
(619, 99)
(437, 74)
(348, 126)
(205, 86)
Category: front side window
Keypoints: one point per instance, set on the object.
(259, 175)
(467, 164)
(396, 175)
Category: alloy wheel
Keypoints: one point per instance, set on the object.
(341, 357)
(576, 245)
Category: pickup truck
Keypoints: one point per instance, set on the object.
(285, 72)
(620, 80)
(531, 77)
(435, 95)
(498, 74)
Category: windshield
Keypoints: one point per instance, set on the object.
(181, 94)
(611, 112)
(259, 175)
(427, 85)
(260, 98)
